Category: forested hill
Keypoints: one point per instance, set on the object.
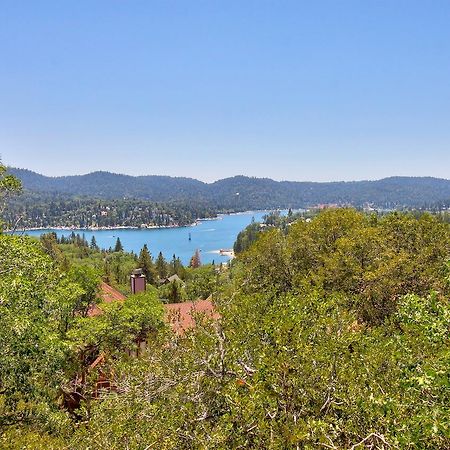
(112, 186)
(241, 192)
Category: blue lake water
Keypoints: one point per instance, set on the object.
(208, 236)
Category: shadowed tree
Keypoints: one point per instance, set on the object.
(94, 243)
(161, 266)
(118, 247)
(145, 262)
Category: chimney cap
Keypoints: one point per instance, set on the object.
(138, 272)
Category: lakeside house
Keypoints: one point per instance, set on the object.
(180, 316)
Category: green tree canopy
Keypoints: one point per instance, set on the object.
(161, 266)
(34, 301)
(9, 185)
(145, 262)
(118, 247)
(120, 325)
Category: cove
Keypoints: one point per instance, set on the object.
(209, 236)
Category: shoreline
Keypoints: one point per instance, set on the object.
(219, 216)
(119, 227)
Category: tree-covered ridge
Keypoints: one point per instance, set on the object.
(34, 210)
(244, 193)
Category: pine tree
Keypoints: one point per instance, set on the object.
(173, 265)
(118, 247)
(176, 267)
(94, 245)
(65, 263)
(175, 293)
(180, 269)
(145, 262)
(107, 273)
(161, 266)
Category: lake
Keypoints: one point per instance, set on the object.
(209, 236)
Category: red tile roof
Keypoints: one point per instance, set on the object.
(180, 316)
(107, 294)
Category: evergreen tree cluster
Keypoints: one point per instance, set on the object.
(41, 210)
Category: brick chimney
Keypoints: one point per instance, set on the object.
(137, 281)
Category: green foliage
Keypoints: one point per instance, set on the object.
(176, 267)
(254, 193)
(372, 261)
(118, 247)
(173, 292)
(27, 438)
(49, 242)
(114, 267)
(9, 186)
(145, 262)
(120, 325)
(43, 327)
(94, 245)
(200, 282)
(285, 372)
(161, 267)
(47, 210)
(333, 333)
(117, 268)
(33, 302)
(88, 278)
(246, 237)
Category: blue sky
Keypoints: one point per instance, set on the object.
(298, 90)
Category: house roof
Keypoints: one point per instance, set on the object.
(180, 316)
(174, 277)
(107, 294)
(171, 279)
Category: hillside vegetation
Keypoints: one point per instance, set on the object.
(333, 333)
(47, 210)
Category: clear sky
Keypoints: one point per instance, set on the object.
(298, 90)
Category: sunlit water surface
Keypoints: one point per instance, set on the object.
(208, 236)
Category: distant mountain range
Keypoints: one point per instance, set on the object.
(241, 193)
